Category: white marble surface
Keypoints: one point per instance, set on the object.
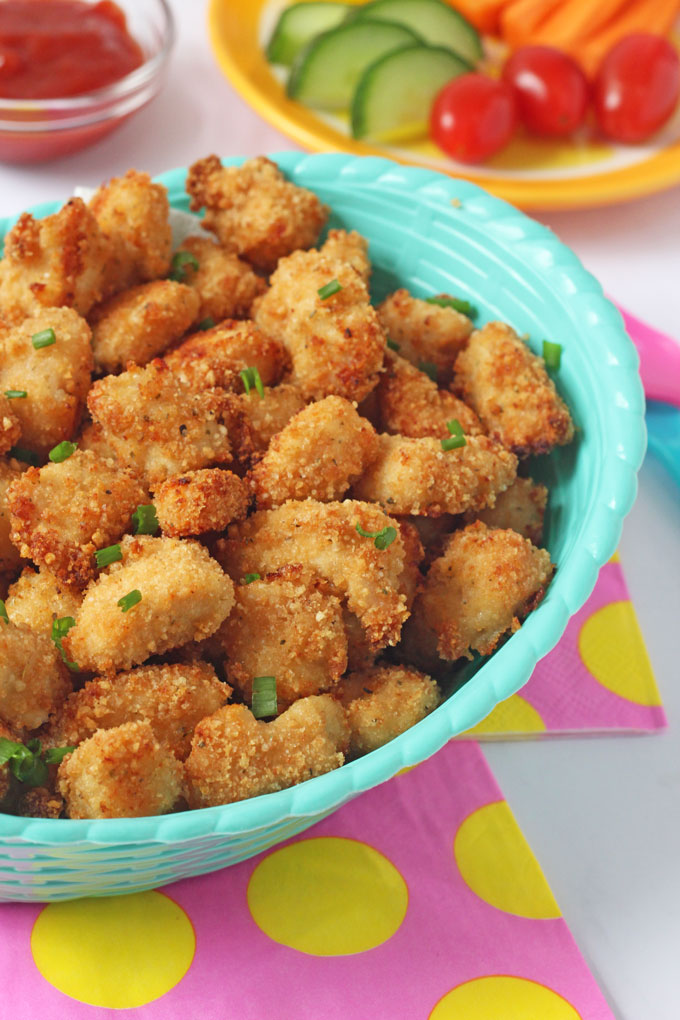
(603, 815)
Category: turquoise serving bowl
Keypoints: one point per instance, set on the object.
(428, 233)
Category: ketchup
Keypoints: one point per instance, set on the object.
(51, 49)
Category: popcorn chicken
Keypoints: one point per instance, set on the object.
(225, 284)
(234, 756)
(348, 246)
(268, 415)
(10, 426)
(254, 210)
(509, 388)
(383, 702)
(214, 357)
(38, 597)
(426, 333)
(409, 403)
(120, 773)
(39, 802)
(521, 507)
(10, 557)
(200, 501)
(33, 679)
(92, 437)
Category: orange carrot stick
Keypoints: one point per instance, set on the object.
(520, 20)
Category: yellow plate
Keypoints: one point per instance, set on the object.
(531, 173)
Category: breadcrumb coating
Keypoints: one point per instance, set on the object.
(123, 772)
(10, 557)
(38, 597)
(348, 246)
(62, 513)
(214, 357)
(234, 756)
(426, 333)
(200, 501)
(139, 324)
(39, 802)
(336, 343)
(254, 210)
(172, 698)
(33, 679)
(268, 415)
(157, 425)
(521, 507)
(409, 403)
(10, 426)
(225, 284)
(56, 378)
(416, 476)
(509, 388)
(92, 437)
(434, 531)
(185, 596)
(317, 455)
(383, 702)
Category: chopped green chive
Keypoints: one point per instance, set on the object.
(145, 520)
(55, 755)
(45, 338)
(552, 355)
(131, 599)
(329, 289)
(111, 554)
(429, 368)
(464, 307)
(3, 612)
(264, 697)
(62, 451)
(249, 578)
(383, 538)
(22, 454)
(207, 323)
(393, 345)
(457, 437)
(60, 628)
(178, 267)
(15, 394)
(251, 378)
(27, 763)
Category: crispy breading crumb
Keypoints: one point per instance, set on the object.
(426, 333)
(268, 415)
(10, 557)
(10, 426)
(383, 702)
(40, 802)
(200, 501)
(348, 246)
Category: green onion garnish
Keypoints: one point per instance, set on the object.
(393, 345)
(145, 520)
(22, 454)
(55, 755)
(464, 307)
(178, 266)
(249, 578)
(27, 763)
(207, 323)
(552, 355)
(264, 696)
(62, 451)
(15, 394)
(45, 338)
(111, 554)
(383, 538)
(457, 437)
(3, 612)
(251, 377)
(131, 599)
(429, 368)
(60, 628)
(329, 289)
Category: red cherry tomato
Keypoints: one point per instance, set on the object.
(550, 89)
(473, 117)
(637, 87)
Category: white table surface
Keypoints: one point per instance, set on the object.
(602, 814)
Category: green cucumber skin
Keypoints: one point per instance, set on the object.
(285, 43)
(465, 39)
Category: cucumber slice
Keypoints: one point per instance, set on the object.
(298, 24)
(433, 20)
(326, 72)
(394, 95)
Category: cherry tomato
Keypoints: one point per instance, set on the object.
(550, 89)
(636, 88)
(473, 117)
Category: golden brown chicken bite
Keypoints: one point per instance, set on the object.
(409, 403)
(417, 476)
(317, 455)
(38, 597)
(172, 698)
(507, 385)
(179, 594)
(426, 333)
(10, 558)
(33, 679)
(62, 513)
(157, 424)
(139, 324)
(55, 377)
(92, 437)
(214, 357)
(39, 802)
(348, 246)
(10, 426)
(233, 756)
(521, 507)
(254, 210)
(225, 284)
(270, 414)
(200, 501)
(123, 772)
(383, 702)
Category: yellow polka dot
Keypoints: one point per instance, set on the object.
(117, 952)
(496, 862)
(327, 896)
(615, 558)
(514, 715)
(511, 998)
(613, 650)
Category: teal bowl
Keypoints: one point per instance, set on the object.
(429, 233)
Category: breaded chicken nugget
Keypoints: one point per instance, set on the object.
(184, 596)
(10, 557)
(409, 403)
(417, 476)
(435, 531)
(200, 501)
(318, 455)
(509, 388)
(171, 698)
(285, 626)
(120, 773)
(157, 425)
(254, 210)
(335, 343)
(484, 584)
(225, 284)
(521, 507)
(39, 802)
(134, 213)
(38, 597)
(268, 415)
(62, 513)
(92, 437)
(60, 260)
(138, 324)
(426, 333)
(383, 702)
(10, 426)
(233, 756)
(324, 538)
(411, 578)
(33, 679)
(55, 377)
(348, 246)
(213, 357)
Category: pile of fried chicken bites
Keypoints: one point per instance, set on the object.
(246, 518)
